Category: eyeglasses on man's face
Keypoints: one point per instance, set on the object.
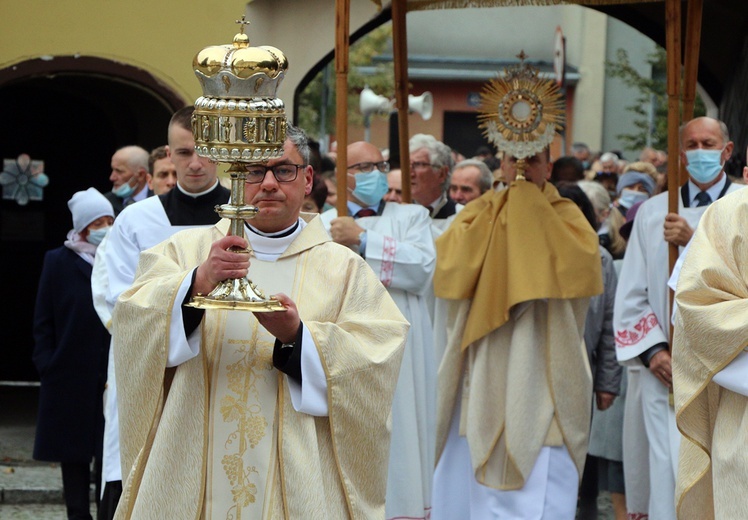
(366, 167)
(419, 165)
(281, 172)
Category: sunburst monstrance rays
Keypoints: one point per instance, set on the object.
(520, 109)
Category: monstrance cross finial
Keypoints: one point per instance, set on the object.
(242, 22)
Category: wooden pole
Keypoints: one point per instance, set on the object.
(673, 48)
(691, 66)
(342, 25)
(400, 46)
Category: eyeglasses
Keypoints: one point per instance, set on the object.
(418, 165)
(281, 172)
(366, 167)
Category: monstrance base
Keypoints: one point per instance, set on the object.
(236, 294)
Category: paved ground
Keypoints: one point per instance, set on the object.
(29, 490)
(32, 490)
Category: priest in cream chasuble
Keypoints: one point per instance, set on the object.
(709, 365)
(225, 419)
(221, 431)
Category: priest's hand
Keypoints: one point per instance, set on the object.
(221, 264)
(345, 231)
(660, 366)
(677, 230)
(282, 325)
(604, 400)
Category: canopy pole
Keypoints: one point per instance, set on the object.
(691, 65)
(673, 49)
(342, 24)
(400, 51)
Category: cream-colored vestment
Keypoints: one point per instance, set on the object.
(711, 330)
(218, 435)
(518, 268)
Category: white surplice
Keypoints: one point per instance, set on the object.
(138, 227)
(437, 306)
(642, 320)
(400, 250)
(549, 493)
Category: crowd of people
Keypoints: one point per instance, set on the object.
(498, 348)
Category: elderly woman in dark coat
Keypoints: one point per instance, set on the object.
(70, 353)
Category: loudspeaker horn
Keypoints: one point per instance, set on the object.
(423, 104)
(371, 103)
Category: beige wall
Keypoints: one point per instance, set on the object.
(304, 31)
(163, 36)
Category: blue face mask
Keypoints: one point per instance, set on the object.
(370, 187)
(124, 190)
(630, 197)
(704, 165)
(95, 236)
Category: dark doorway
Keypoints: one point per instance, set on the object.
(73, 122)
(461, 133)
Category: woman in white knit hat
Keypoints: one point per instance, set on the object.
(70, 353)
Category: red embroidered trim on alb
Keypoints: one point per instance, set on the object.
(629, 337)
(388, 261)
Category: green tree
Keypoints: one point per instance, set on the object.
(651, 129)
(362, 54)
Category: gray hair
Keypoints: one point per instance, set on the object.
(300, 140)
(609, 156)
(580, 147)
(485, 179)
(440, 155)
(135, 157)
(722, 129)
(597, 194)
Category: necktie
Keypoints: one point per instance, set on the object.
(365, 212)
(703, 199)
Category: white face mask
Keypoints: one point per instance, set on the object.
(95, 236)
(630, 197)
(704, 165)
(125, 190)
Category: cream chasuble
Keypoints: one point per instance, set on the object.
(518, 268)
(710, 333)
(243, 478)
(218, 436)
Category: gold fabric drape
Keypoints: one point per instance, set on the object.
(510, 236)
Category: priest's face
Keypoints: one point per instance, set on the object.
(195, 174)
(537, 168)
(279, 203)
